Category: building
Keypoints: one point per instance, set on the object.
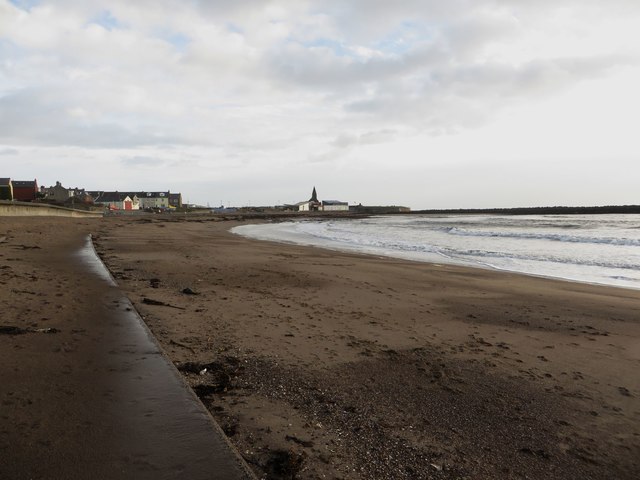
(140, 200)
(117, 200)
(6, 189)
(311, 205)
(25, 190)
(334, 206)
(314, 205)
(155, 200)
(175, 200)
(60, 194)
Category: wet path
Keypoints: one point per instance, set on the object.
(97, 399)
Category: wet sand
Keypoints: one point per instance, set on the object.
(320, 364)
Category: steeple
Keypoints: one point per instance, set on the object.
(314, 196)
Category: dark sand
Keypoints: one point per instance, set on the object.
(328, 365)
(85, 392)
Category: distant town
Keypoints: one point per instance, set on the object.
(124, 202)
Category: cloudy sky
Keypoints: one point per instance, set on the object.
(424, 103)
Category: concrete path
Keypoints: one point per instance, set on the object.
(95, 398)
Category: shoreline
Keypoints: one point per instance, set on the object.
(407, 258)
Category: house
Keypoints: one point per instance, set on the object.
(154, 200)
(175, 200)
(6, 189)
(25, 190)
(314, 205)
(139, 200)
(60, 194)
(117, 200)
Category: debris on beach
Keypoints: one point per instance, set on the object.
(13, 330)
(150, 301)
(208, 378)
(44, 330)
(189, 291)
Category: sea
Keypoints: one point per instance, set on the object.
(598, 249)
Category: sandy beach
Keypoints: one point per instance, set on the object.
(319, 364)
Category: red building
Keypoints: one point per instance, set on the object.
(25, 190)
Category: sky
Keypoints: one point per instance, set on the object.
(422, 103)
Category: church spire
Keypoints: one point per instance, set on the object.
(314, 196)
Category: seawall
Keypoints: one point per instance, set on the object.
(24, 209)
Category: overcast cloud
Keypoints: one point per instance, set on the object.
(430, 104)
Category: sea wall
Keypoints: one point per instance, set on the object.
(23, 209)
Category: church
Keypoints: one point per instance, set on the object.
(315, 205)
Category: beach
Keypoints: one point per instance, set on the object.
(321, 364)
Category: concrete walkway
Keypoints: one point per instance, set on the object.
(95, 398)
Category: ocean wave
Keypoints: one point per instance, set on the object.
(347, 237)
(621, 277)
(603, 251)
(554, 237)
(587, 262)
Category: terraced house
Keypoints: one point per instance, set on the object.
(137, 200)
(20, 190)
(25, 190)
(116, 200)
(154, 199)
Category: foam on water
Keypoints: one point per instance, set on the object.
(603, 249)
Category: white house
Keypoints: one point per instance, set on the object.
(154, 199)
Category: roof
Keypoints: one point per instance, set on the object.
(153, 194)
(334, 202)
(106, 197)
(130, 194)
(24, 184)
